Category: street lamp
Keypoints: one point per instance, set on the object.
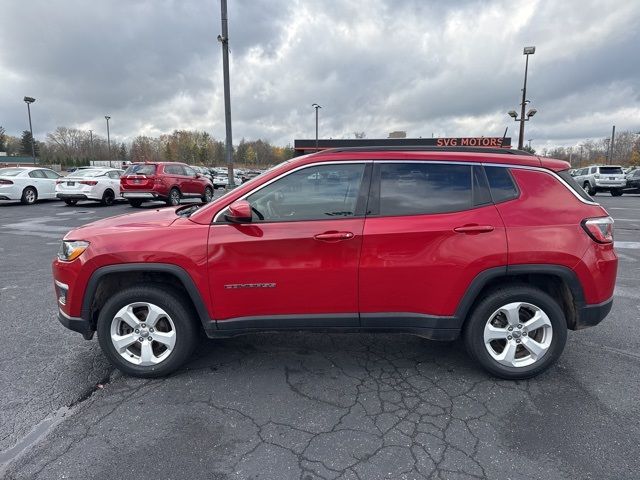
(107, 117)
(316, 106)
(29, 101)
(526, 52)
(91, 144)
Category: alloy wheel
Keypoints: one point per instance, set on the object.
(518, 334)
(143, 334)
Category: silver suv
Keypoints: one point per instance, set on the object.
(606, 178)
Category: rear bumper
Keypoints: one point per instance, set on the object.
(140, 195)
(72, 196)
(592, 315)
(76, 324)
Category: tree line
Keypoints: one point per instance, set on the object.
(626, 151)
(71, 146)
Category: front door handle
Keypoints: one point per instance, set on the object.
(333, 236)
(474, 229)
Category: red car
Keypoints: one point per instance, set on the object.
(500, 246)
(166, 181)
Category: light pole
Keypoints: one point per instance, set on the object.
(29, 101)
(526, 52)
(224, 40)
(91, 144)
(530, 140)
(316, 106)
(107, 117)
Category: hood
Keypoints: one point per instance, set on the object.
(162, 217)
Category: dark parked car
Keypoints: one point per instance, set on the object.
(633, 182)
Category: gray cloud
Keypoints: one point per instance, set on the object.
(448, 68)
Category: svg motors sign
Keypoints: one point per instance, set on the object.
(490, 142)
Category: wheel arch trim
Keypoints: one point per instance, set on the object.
(174, 270)
(483, 278)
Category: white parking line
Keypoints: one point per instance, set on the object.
(633, 245)
(626, 219)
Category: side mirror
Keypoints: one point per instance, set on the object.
(198, 175)
(239, 212)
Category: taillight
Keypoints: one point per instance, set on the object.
(6, 182)
(89, 182)
(58, 182)
(597, 175)
(600, 229)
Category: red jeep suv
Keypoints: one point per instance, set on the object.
(167, 181)
(498, 246)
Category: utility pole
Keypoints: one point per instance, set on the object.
(29, 101)
(107, 117)
(612, 143)
(527, 51)
(224, 40)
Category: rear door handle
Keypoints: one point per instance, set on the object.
(474, 229)
(333, 236)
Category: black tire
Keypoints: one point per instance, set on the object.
(174, 197)
(208, 195)
(616, 192)
(183, 318)
(29, 196)
(108, 197)
(589, 189)
(474, 330)
(71, 201)
(135, 203)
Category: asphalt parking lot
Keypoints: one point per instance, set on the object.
(306, 406)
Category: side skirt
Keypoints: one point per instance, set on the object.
(431, 327)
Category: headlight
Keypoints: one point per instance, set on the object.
(71, 249)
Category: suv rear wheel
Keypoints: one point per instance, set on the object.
(174, 197)
(146, 331)
(208, 195)
(516, 332)
(589, 189)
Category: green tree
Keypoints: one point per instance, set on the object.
(122, 152)
(25, 147)
(529, 149)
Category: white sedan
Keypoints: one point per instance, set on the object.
(221, 180)
(27, 184)
(100, 184)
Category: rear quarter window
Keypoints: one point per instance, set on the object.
(564, 175)
(501, 184)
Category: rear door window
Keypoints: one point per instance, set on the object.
(424, 188)
(36, 174)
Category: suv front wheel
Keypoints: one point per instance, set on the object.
(516, 332)
(146, 331)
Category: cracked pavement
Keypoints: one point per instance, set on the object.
(316, 406)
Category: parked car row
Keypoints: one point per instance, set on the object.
(164, 181)
(607, 178)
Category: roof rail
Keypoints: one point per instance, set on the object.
(422, 148)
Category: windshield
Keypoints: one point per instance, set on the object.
(611, 170)
(141, 169)
(10, 172)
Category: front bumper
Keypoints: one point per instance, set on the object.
(592, 315)
(76, 324)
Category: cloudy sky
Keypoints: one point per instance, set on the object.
(449, 68)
